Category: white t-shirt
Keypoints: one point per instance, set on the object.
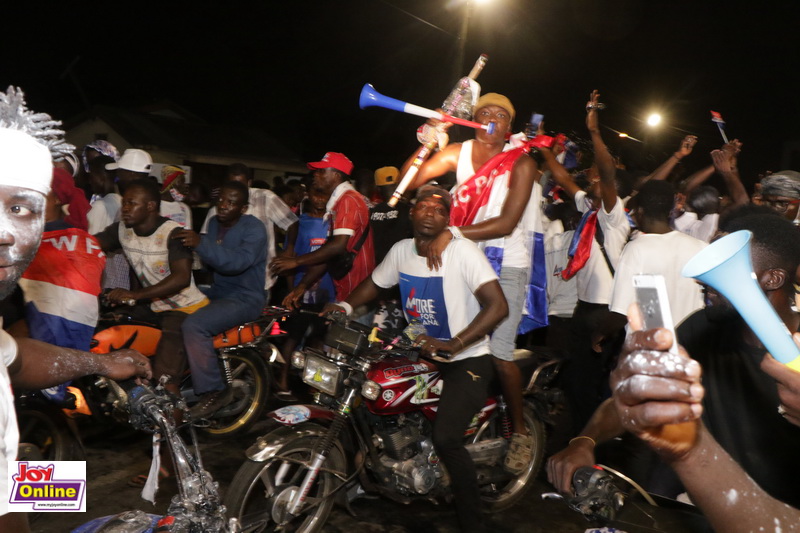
(443, 300)
(703, 229)
(178, 212)
(664, 254)
(594, 279)
(267, 207)
(8, 417)
(562, 296)
(104, 212)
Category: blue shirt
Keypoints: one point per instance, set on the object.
(312, 232)
(238, 260)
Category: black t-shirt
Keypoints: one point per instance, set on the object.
(389, 225)
(741, 403)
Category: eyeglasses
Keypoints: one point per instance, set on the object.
(780, 205)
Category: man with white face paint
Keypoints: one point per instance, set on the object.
(27, 143)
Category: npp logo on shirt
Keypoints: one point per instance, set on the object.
(423, 300)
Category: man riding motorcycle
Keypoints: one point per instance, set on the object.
(458, 311)
(163, 265)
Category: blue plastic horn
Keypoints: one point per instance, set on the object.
(726, 266)
(370, 97)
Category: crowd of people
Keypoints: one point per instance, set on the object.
(536, 234)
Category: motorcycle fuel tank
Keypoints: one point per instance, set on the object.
(405, 385)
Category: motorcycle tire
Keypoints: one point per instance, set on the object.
(251, 383)
(44, 436)
(497, 497)
(256, 494)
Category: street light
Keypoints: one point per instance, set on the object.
(462, 36)
(654, 120)
(469, 6)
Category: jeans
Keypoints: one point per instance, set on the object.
(199, 329)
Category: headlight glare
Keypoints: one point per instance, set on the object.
(298, 359)
(370, 390)
(321, 374)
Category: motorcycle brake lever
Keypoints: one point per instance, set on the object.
(438, 357)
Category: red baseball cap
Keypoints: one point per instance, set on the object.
(334, 160)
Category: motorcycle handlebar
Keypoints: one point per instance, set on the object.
(105, 302)
(440, 356)
(128, 384)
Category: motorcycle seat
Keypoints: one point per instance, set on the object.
(238, 335)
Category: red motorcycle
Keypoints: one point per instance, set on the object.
(369, 432)
(245, 356)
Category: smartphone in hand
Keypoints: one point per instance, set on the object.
(653, 303)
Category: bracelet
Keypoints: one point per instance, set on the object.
(594, 443)
(460, 342)
(348, 309)
(456, 232)
(676, 157)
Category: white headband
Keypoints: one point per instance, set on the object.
(24, 162)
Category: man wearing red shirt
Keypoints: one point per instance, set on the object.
(350, 216)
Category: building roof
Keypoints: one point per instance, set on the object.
(169, 128)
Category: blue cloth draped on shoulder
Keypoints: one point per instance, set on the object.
(581, 246)
(536, 294)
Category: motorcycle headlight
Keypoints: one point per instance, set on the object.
(298, 359)
(321, 374)
(370, 390)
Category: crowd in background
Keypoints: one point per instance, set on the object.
(598, 223)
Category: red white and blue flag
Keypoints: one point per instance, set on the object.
(480, 198)
(717, 117)
(61, 286)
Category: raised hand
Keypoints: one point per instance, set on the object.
(687, 144)
(592, 120)
(732, 149)
(722, 161)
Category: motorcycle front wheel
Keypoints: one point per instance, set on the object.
(260, 491)
(250, 384)
(44, 436)
(499, 495)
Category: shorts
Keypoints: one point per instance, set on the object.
(504, 337)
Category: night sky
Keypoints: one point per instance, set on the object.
(296, 68)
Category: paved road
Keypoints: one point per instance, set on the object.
(113, 460)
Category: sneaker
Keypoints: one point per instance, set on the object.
(520, 453)
(211, 402)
